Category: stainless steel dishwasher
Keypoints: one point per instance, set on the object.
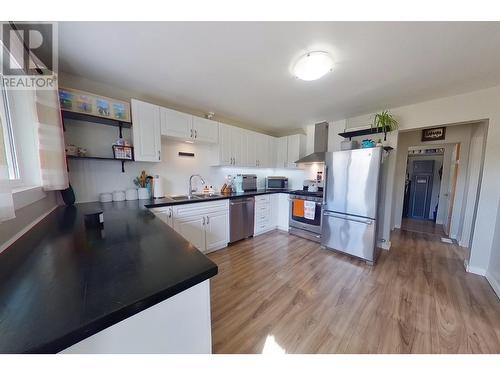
(241, 218)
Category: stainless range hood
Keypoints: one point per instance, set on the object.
(320, 145)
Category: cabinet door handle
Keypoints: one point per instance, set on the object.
(208, 220)
(191, 132)
(196, 133)
(159, 155)
(203, 220)
(170, 213)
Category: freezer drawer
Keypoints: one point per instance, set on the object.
(349, 234)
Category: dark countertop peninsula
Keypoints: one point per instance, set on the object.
(163, 202)
(61, 283)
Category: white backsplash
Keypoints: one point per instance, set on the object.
(89, 178)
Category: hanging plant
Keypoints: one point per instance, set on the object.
(385, 121)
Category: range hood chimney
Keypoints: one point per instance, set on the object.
(320, 145)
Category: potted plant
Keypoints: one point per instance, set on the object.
(385, 121)
(141, 182)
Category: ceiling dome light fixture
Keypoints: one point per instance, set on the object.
(313, 65)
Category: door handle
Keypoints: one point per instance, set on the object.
(203, 220)
(196, 133)
(208, 220)
(364, 221)
(170, 213)
(159, 155)
(191, 132)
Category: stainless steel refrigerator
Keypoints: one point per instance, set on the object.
(351, 201)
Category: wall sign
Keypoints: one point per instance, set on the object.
(434, 134)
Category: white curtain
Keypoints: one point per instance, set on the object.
(51, 141)
(6, 204)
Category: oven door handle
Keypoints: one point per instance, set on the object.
(317, 203)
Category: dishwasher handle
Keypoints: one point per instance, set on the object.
(244, 201)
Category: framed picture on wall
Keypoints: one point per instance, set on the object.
(96, 105)
(434, 134)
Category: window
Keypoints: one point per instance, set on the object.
(8, 137)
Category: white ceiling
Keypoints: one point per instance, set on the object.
(241, 70)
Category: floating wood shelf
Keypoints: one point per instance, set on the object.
(359, 133)
(97, 158)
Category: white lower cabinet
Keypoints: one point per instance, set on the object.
(165, 214)
(216, 231)
(192, 229)
(205, 225)
(283, 204)
(263, 214)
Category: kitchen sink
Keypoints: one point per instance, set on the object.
(183, 198)
(207, 195)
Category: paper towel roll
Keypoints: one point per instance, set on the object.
(158, 187)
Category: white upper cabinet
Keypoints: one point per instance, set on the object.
(296, 148)
(251, 139)
(282, 152)
(146, 134)
(205, 130)
(289, 150)
(176, 124)
(186, 127)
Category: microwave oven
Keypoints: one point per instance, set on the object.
(276, 183)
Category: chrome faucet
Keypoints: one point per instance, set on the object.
(190, 188)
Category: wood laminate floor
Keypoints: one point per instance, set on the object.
(277, 292)
(422, 226)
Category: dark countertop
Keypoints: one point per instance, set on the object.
(61, 283)
(163, 202)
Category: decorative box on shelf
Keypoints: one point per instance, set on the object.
(123, 152)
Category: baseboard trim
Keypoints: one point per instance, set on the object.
(386, 245)
(19, 234)
(474, 270)
(495, 285)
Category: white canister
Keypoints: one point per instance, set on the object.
(131, 194)
(143, 193)
(118, 195)
(105, 197)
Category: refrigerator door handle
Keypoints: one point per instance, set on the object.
(350, 218)
(325, 185)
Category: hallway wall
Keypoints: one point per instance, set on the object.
(454, 134)
(493, 274)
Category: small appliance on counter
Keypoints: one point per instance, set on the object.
(245, 182)
(310, 185)
(276, 183)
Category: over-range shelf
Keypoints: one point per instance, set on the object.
(361, 132)
(96, 120)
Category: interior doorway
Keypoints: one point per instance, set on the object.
(424, 174)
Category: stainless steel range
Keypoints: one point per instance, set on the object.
(305, 214)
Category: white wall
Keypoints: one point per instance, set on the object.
(454, 134)
(493, 274)
(89, 178)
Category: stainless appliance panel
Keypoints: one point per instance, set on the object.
(349, 234)
(303, 223)
(241, 218)
(352, 180)
(276, 183)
